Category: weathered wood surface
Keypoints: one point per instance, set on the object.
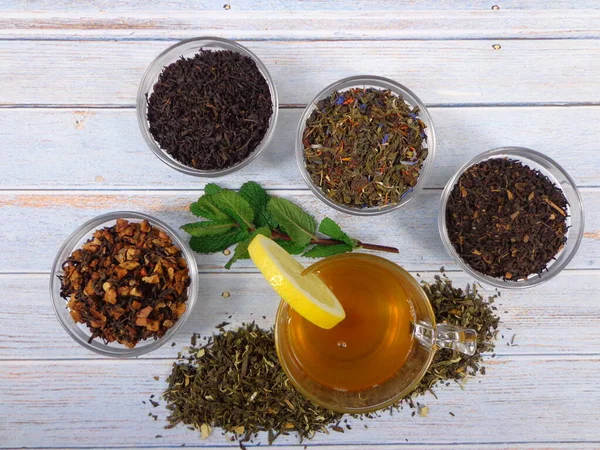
(142, 6)
(453, 72)
(544, 322)
(71, 150)
(99, 404)
(99, 147)
(333, 22)
(35, 224)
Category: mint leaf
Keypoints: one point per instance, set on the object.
(258, 198)
(297, 224)
(330, 228)
(205, 207)
(290, 247)
(209, 228)
(217, 243)
(241, 250)
(212, 188)
(235, 206)
(321, 251)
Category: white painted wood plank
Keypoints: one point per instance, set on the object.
(543, 320)
(44, 220)
(288, 5)
(99, 147)
(408, 445)
(108, 73)
(99, 404)
(235, 23)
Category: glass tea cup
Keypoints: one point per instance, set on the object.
(293, 341)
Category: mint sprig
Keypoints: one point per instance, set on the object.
(237, 217)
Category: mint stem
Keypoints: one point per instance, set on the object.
(275, 234)
(379, 248)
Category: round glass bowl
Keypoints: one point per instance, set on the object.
(575, 219)
(188, 49)
(79, 331)
(378, 83)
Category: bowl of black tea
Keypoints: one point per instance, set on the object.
(207, 106)
(365, 145)
(511, 217)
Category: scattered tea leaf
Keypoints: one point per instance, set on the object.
(241, 394)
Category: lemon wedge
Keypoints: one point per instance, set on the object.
(307, 294)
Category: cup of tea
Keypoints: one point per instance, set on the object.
(380, 351)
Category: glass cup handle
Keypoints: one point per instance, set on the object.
(463, 340)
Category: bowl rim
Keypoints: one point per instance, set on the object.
(521, 154)
(85, 231)
(380, 83)
(147, 83)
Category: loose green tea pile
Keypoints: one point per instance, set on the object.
(466, 308)
(127, 283)
(235, 380)
(364, 147)
(210, 111)
(506, 220)
(237, 217)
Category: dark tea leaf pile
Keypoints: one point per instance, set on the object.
(364, 147)
(210, 111)
(234, 381)
(506, 220)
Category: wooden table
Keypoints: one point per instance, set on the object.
(517, 73)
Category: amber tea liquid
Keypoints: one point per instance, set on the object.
(374, 340)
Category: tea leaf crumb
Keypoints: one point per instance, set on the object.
(205, 431)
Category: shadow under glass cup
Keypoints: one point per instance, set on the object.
(344, 379)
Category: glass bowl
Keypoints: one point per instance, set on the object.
(575, 218)
(79, 331)
(367, 81)
(189, 48)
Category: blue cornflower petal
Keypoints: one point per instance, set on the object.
(385, 138)
(340, 100)
(413, 116)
